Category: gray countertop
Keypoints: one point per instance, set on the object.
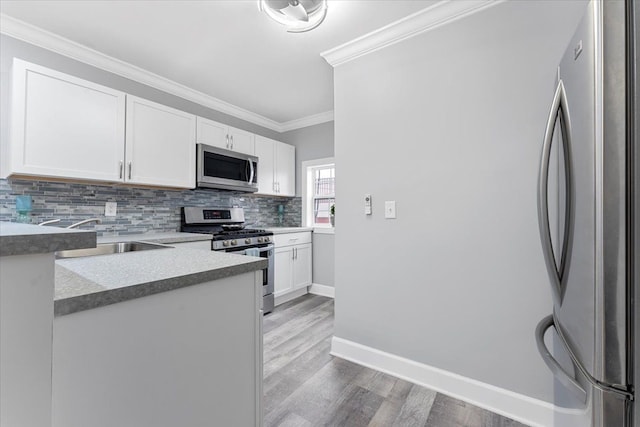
(96, 281)
(26, 239)
(90, 282)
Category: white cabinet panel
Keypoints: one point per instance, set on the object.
(212, 133)
(242, 141)
(63, 126)
(266, 165)
(276, 167)
(286, 170)
(223, 136)
(302, 266)
(283, 279)
(293, 263)
(160, 145)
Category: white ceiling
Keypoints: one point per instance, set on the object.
(226, 49)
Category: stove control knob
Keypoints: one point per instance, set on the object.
(234, 242)
(260, 239)
(225, 243)
(267, 239)
(247, 241)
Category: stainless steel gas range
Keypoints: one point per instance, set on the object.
(230, 235)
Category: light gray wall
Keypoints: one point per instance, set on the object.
(312, 142)
(324, 259)
(315, 142)
(449, 125)
(10, 48)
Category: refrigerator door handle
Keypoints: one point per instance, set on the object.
(561, 375)
(559, 113)
(558, 371)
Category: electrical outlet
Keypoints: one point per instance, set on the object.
(390, 209)
(110, 208)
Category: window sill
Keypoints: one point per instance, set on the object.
(324, 230)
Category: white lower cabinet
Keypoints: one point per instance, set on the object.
(293, 262)
(188, 357)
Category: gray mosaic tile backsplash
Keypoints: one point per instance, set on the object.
(140, 210)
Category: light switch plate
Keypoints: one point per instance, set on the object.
(110, 208)
(367, 204)
(390, 209)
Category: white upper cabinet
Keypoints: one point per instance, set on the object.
(63, 126)
(276, 167)
(160, 145)
(67, 127)
(286, 169)
(223, 136)
(266, 154)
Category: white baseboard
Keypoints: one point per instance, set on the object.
(322, 290)
(281, 299)
(530, 411)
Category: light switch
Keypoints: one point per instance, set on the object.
(110, 208)
(367, 204)
(390, 209)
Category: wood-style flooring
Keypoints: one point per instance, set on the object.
(305, 386)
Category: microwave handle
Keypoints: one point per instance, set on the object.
(252, 171)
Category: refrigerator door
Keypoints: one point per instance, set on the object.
(582, 220)
(567, 174)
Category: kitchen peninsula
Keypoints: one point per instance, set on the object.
(162, 337)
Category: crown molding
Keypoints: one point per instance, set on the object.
(303, 122)
(427, 19)
(37, 36)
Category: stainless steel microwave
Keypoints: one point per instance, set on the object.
(225, 169)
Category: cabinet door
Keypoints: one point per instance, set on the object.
(63, 126)
(285, 169)
(242, 141)
(302, 266)
(266, 165)
(160, 145)
(212, 133)
(282, 270)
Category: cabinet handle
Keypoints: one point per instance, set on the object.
(296, 253)
(129, 170)
(293, 253)
(227, 136)
(232, 142)
(121, 169)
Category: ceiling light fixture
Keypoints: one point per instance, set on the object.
(297, 15)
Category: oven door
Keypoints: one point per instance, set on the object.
(266, 252)
(219, 168)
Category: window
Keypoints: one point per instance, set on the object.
(319, 192)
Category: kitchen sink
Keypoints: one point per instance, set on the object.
(109, 248)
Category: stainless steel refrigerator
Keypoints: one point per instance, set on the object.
(588, 222)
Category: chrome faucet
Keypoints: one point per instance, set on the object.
(51, 221)
(78, 224)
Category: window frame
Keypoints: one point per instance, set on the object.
(308, 168)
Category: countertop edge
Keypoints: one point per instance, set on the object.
(31, 239)
(92, 300)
